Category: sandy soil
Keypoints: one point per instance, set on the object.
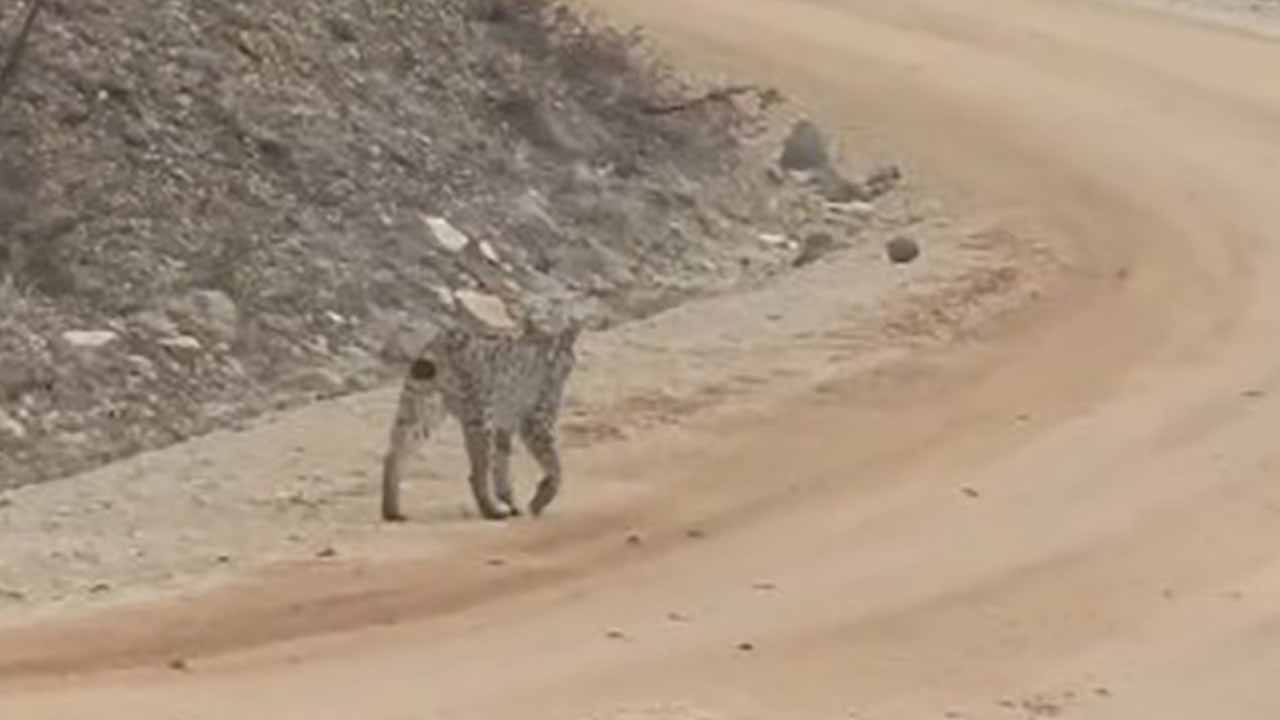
(848, 495)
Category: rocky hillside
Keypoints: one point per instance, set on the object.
(213, 208)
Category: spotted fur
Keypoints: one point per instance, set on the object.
(495, 384)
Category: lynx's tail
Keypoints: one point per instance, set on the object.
(420, 409)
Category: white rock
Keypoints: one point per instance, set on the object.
(445, 296)
(449, 237)
(773, 239)
(858, 209)
(489, 253)
(11, 427)
(484, 307)
(181, 342)
(89, 339)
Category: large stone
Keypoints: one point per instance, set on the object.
(486, 308)
(804, 148)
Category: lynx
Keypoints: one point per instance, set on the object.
(494, 383)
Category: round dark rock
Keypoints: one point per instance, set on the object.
(902, 249)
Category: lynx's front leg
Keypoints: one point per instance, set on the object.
(478, 437)
(419, 411)
(502, 471)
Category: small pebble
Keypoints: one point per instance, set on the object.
(179, 664)
(635, 539)
(970, 492)
(765, 586)
(902, 250)
(616, 635)
(695, 534)
(327, 552)
(746, 646)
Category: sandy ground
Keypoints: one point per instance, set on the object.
(852, 495)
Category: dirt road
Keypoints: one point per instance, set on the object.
(1078, 516)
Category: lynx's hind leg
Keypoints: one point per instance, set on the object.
(419, 412)
(502, 471)
(540, 438)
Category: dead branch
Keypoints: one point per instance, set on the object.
(14, 58)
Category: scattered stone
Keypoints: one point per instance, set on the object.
(881, 181)
(446, 235)
(317, 381)
(12, 595)
(327, 552)
(970, 492)
(179, 664)
(1038, 707)
(635, 539)
(1102, 692)
(99, 588)
(9, 426)
(678, 617)
(5, 501)
(223, 559)
(485, 308)
(89, 339)
(746, 647)
(1252, 394)
(155, 322)
(764, 586)
(615, 634)
(533, 212)
(774, 239)
(182, 343)
(804, 148)
(902, 249)
(488, 253)
(838, 189)
(814, 247)
(695, 534)
(403, 342)
(496, 562)
(860, 210)
(211, 311)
